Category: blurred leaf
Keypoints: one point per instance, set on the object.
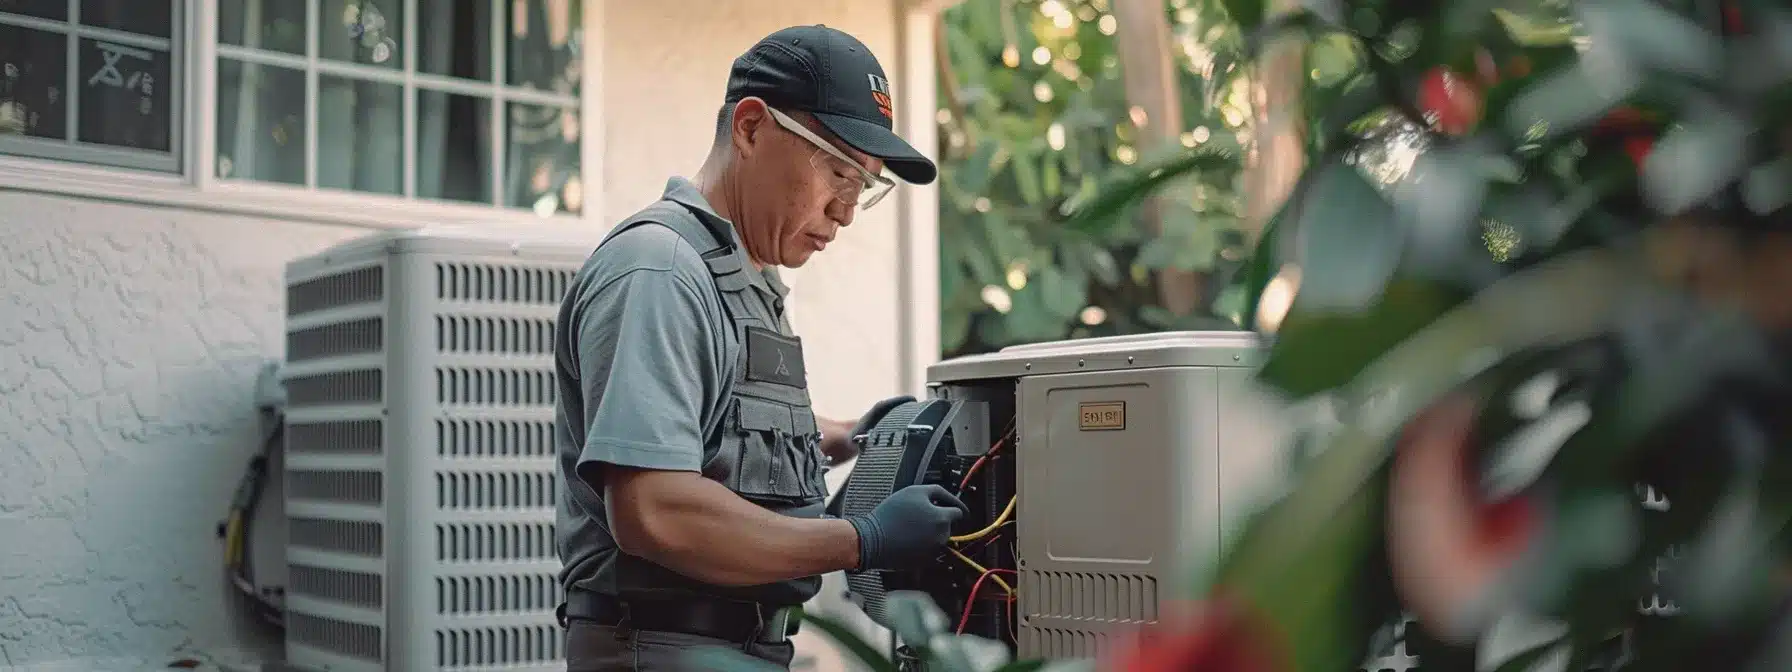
(862, 651)
(1062, 298)
(1317, 351)
(964, 652)
(1349, 241)
(914, 617)
(1698, 157)
(1124, 192)
(1248, 14)
(974, 174)
(1026, 174)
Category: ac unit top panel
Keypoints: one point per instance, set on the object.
(1113, 353)
(536, 245)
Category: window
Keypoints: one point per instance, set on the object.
(96, 81)
(458, 100)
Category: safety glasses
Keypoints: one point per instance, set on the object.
(855, 186)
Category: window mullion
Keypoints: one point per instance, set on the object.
(410, 98)
(499, 109)
(71, 110)
(312, 23)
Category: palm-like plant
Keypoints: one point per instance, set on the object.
(1537, 281)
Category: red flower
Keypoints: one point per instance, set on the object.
(1450, 545)
(1733, 19)
(1451, 99)
(1638, 147)
(1220, 637)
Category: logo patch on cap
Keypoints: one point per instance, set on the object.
(880, 92)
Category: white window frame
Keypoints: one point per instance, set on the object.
(70, 148)
(194, 186)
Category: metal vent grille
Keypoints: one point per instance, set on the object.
(501, 284)
(420, 438)
(335, 388)
(495, 542)
(1057, 643)
(335, 536)
(355, 337)
(361, 285)
(494, 490)
(355, 640)
(336, 585)
(495, 438)
(485, 647)
(472, 595)
(340, 487)
(344, 437)
(478, 334)
(495, 387)
(1110, 598)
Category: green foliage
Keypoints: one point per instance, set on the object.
(1034, 245)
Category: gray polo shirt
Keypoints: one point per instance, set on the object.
(645, 359)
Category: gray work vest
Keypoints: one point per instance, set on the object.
(766, 447)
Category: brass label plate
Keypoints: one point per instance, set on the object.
(1094, 416)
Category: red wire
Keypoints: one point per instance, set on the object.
(971, 599)
(985, 458)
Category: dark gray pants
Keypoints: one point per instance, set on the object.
(601, 648)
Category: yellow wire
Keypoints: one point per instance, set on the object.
(1000, 520)
(981, 570)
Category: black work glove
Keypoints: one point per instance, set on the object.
(908, 527)
(876, 415)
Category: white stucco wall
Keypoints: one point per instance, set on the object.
(130, 336)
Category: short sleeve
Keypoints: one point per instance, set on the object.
(647, 359)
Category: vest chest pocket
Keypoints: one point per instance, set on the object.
(776, 457)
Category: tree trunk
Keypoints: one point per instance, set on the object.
(1278, 147)
(1149, 72)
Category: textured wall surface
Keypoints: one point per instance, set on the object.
(130, 339)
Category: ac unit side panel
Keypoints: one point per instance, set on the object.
(422, 426)
(336, 486)
(1116, 475)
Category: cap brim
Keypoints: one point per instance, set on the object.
(901, 158)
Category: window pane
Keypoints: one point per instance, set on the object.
(454, 147)
(274, 25)
(261, 122)
(126, 99)
(546, 40)
(144, 17)
(54, 10)
(543, 170)
(361, 31)
(33, 73)
(454, 38)
(360, 135)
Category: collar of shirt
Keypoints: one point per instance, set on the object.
(682, 191)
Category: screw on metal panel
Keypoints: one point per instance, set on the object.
(1079, 362)
(1129, 360)
(1029, 366)
(1237, 357)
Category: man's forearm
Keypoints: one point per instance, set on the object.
(699, 528)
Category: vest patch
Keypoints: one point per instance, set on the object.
(775, 358)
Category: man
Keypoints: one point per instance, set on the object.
(692, 513)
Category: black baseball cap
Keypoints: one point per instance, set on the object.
(834, 77)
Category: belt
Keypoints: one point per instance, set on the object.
(742, 622)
